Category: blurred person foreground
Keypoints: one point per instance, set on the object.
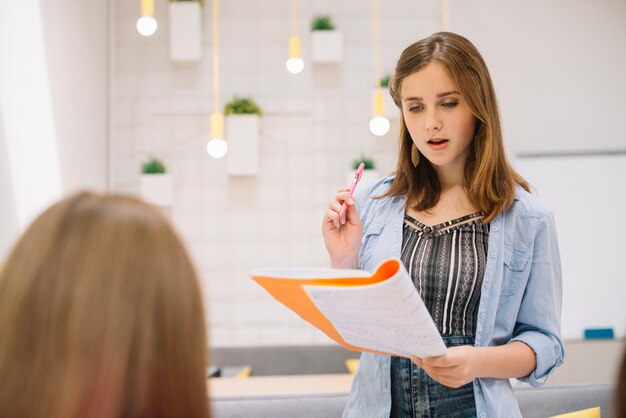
(101, 316)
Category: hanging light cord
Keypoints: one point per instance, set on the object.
(294, 29)
(376, 24)
(444, 15)
(216, 63)
(147, 8)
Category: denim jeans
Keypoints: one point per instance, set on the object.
(415, 394)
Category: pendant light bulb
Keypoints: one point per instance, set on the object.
(146, 25)
(217, 147)
(379, 124)
(294, 63)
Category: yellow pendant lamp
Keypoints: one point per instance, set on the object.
(294, 63)
(379, 124)
(147, 24)
(217, 146)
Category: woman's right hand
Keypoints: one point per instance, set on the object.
(342, 234)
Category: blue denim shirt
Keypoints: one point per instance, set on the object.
(520, 297)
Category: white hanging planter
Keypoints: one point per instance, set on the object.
(156, 189)
(185, 30)
(326, 46)
(368, 177)
(242, 136)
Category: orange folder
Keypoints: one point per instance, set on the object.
(287, 286)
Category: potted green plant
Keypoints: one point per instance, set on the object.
(242, 106)
(368, 163)
(384, 82)
(242, 118)
(152, 166)
(326, 40)
(369, 170)
(322, 22)
(185, 29)
(155, 182)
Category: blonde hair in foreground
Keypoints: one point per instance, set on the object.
(490, 181)
(101, 316)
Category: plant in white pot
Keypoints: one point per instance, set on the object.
(185, 30)
(155, 183)
(370, 174)
(242, 116)
(326, 40)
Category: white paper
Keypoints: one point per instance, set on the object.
(307, 273)
(389, 316)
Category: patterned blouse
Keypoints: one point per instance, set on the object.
(447, 263)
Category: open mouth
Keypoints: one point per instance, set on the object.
(437, 141)
(437, 144)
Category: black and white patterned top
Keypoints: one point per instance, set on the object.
(447, 264)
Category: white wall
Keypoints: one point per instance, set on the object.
(8, 214)
(28, 137)
(59, 109)
(556, 66)
(77, 47)
(587, 210)
(314, 125)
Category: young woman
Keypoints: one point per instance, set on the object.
(101, 316)
(481, 250)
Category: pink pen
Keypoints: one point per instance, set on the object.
(355, 181)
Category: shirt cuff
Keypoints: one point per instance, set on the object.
(548, 352)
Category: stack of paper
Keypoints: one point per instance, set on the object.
(380, 312)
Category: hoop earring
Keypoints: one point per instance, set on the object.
(415, 155)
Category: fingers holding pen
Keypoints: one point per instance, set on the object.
(333, 217)
(345, 201)
(336, 213)
(342, 231)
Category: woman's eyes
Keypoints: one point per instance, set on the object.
(419, 108)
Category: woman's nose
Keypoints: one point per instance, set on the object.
(432, 121)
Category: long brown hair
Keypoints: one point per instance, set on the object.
(101, 316)
(490, 180)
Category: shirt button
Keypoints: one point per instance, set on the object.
(496, 228)
(487, 285)
(493, 254)
(483, 415)
(481, 315)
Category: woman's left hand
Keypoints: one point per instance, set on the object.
(454, 369)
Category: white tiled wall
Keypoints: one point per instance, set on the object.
(314, 125)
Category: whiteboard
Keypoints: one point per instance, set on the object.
(587, 194)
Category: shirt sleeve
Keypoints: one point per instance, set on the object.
(539, 320)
